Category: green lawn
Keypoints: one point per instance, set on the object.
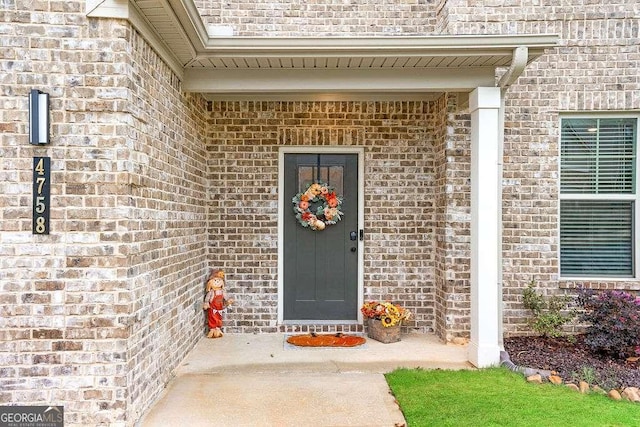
(498, 397)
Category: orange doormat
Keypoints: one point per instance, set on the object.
(326, 340)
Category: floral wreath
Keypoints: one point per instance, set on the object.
(327, 213)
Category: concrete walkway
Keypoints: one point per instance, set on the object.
(260, 380)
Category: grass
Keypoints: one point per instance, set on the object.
(499, 397)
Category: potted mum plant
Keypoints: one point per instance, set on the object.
(384, 320)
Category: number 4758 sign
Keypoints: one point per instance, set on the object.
(41, 195)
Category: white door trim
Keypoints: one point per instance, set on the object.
(284, 207)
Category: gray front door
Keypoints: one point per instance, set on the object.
(321, 267)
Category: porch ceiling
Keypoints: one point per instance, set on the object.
(255, 68)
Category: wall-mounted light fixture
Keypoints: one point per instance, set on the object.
(38, 117)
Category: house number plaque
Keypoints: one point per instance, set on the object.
(41, 196)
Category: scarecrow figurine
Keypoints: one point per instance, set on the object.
(215, 302)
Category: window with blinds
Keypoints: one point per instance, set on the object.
(598, 192)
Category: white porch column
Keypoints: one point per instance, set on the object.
(484, 103)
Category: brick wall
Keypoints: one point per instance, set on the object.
(594, 69)
(452, 153)
(165, 218)
(64, 297)
(399, 198)
(96, 314)
(285, 18)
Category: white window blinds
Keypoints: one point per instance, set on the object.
(596, 238)
(598, 156)
(598, 197)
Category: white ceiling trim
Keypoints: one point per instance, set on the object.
(329, 80)
(247, 66)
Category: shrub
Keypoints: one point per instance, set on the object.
(614, 322)
(586, 374)
(606, 378)
(548, 316)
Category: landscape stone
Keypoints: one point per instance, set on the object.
(555, 379)
(460, 341)
(536, 379)
(584, 387)
(573, 387)
(614, 394)
(631, 393)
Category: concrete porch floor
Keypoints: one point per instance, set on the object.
(260, 380)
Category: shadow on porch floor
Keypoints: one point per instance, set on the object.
(260, 380)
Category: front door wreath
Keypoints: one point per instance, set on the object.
(324, 200)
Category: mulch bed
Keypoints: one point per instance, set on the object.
(326, 340)
(573, 361)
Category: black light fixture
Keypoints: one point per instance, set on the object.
(38, 117)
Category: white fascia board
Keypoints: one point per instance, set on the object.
(107, 8)
(427, 45)
(190, 21)
(142, 25)
(124, 9)
(379, 80)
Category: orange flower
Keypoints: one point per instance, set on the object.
(304, 198)
(333, 202)
(304, 205)
(329, 213)
(306, 216)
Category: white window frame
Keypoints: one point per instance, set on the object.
(622, 197)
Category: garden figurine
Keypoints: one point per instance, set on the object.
(215, 302)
